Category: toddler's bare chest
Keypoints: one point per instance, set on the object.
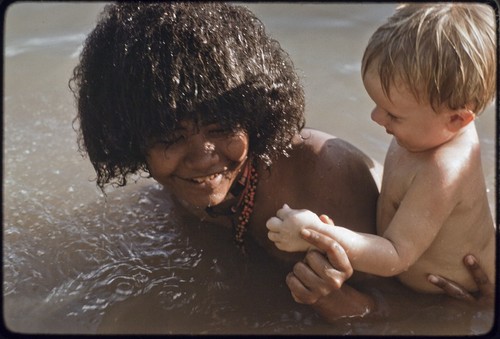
(399, 173)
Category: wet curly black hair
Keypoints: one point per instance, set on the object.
(147, 66)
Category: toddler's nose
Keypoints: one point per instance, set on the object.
(377, 116)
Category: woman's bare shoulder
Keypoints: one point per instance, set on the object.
(341, 179)
(311, 140)
(328, 152)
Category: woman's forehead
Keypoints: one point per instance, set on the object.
(200, 121)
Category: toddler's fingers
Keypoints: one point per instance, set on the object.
(273, 224)
(283, 212)
(273, 236)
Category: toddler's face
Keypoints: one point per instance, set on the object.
(198, 164)
(414, 125)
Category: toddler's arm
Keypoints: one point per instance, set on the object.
(418, 219)
(368, 253)
(285, 228)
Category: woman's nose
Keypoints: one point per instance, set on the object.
(201, 153)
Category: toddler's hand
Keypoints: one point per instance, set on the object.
(284, 229)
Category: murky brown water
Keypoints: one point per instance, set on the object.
(74, 263)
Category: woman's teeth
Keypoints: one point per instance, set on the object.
(200, 180)
(211, 177)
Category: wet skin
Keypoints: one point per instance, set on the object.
(322, 173)
(200, 163)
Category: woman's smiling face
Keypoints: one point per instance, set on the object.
(198, 164)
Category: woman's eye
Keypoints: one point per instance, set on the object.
(172, 140)
(219, 131)
(169, 142)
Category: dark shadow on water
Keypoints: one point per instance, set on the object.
(129, 266)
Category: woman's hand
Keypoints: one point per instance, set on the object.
(318, 280)
(318, 275)
(486, 289)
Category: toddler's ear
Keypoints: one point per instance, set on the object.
(459, 119)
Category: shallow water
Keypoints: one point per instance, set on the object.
(75, 263)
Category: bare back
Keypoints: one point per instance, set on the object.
(468, 228)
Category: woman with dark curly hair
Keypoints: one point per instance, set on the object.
(200, 98)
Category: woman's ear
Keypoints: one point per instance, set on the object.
(460, 118)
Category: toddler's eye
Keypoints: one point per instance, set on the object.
(392, 116)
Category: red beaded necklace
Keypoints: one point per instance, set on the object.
(248, 180)
(244, 189)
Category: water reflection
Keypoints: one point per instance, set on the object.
(125, 265)
(75, 262)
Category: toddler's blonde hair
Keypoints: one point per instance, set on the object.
(444, 53)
